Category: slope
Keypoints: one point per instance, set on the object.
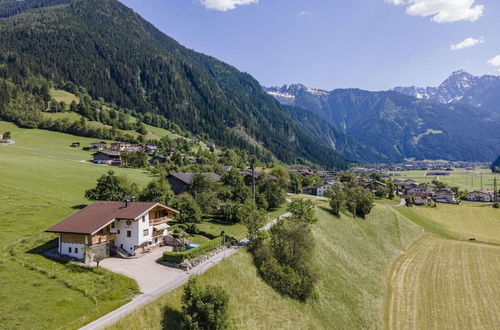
(115, 54)
(353, 258)
(400, 126)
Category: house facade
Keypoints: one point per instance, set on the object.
(446, 195)
(485, 196)
(107, 157)
(103, 227)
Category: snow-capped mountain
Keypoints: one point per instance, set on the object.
(460, 88)
(458, 120)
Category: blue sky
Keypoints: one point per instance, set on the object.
(369, 44)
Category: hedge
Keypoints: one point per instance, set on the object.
(179, 257)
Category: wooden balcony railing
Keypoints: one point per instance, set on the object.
(99, 239)
(157, 221)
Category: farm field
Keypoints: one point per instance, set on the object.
(353, 257)
(441, 283)
(468, 220)
(464, 179)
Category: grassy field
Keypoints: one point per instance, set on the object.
(468, 180)
(445, 284)
(468, 220)
(63, 96)
(353, 256)
(42, 181)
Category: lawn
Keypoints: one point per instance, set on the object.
(353, 257)
(445, 284)
(464, 179)
(214, 226)
(465, 221)
(42, 181)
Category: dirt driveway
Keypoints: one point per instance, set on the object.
(149, 275)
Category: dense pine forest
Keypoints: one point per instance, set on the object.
(112, 53)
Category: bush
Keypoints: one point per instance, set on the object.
(205, 307)
(496, 206)
(179, 257)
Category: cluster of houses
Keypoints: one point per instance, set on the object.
(425, 193)
(111, 155)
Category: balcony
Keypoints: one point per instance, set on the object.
(99, 239)
(158, 221)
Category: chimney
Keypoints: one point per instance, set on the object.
(128, 199)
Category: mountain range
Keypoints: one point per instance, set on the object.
(459, 120)
(461, 88)
(110, 51)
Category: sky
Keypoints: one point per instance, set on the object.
(328, 44)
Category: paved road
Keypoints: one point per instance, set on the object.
(176, 282)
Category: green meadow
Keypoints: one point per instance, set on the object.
(43, 181)
(353, 257)
(464, 179)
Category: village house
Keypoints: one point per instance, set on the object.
(485, 196)
(150, 149)
(179, 182)
(98, 145)
(446, 195)
(119, 146)
(420, 198)
(158, 159)
(75, 145)
(107, 157)
(317, 191)
(103, 227)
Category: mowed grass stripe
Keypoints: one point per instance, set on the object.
(445, 284)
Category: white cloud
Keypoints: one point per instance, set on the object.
(469, 42)
(225, 5)
(305, 13)
(495, 62)
(443, 11)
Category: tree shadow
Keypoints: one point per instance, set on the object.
(78, 207)
(328, 210)
(172, 319)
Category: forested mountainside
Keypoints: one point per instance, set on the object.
(113, 53)
(399, 126)
(340, 141)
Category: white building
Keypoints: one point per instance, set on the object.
(485, 196)
(125, 227)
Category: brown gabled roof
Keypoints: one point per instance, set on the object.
(94, 217)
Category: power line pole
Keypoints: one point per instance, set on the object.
(252, 165)
(495, 188)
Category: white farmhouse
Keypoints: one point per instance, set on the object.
(123, 227)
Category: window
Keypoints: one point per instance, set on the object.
(129, 233)
(112, 225)
(146, 232)
(76, 250)
(121, 246)
(143, 218)
(69, 250)
(118, 231)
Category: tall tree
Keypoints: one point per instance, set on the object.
(112, 188)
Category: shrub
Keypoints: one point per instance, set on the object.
(205, 307)
(179, 257)
(496, 205)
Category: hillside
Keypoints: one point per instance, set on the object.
(353, 257)
(113, 53)
(400, 126)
